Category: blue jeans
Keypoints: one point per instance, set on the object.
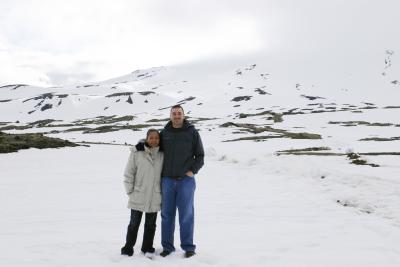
(177, 193)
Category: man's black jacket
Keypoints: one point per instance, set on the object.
(183, 150)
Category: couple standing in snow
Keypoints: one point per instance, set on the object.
(160, 176)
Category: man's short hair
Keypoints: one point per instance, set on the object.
(177, 106)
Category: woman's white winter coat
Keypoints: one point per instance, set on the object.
(143, 179)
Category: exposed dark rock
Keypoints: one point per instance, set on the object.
(15, 127)
(194, 120)
(277, 117)
(253, 138)
(368, 107)
(14, 142)
(104, 120)
(251, 67)
(381, 139)
(57, 125)
(256, 129)
(13, 86)
(165, 108)
(381, 153)
(120, 94)
(356, 159)
(158, 120)
(62, 95)
(312, 97)
(291, 112)
(144, 93)
(39, 104)
(305, 150)
(47, 106)
(357, 123)
(322, 111)
(77, 129)
(229, 124)
(316, 153)
(346, 203)
(261, 92)
(302, 135)
(129, 100)
(114, 128)
(41, 123)
(40, 97)
(389, 107)
(241, 98)
(186, 99)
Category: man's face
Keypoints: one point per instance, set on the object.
(177, 116)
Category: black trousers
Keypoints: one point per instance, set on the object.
(149, 230)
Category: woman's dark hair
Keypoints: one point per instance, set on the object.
(150, 131)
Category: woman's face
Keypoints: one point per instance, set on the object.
(153, 139)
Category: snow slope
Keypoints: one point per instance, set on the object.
(67, 208)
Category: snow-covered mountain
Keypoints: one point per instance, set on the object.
(317, 96)
(220, 87)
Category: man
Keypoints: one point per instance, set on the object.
(183, 158)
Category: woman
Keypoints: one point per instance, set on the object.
(142, 184)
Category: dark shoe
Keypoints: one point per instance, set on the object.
(189, 254)
(165, 253)
(127, 251)
(149, 250)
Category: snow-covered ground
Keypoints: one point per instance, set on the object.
(67, 207)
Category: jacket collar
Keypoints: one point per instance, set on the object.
(186, 124)
(151, 150)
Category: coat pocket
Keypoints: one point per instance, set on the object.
(137, 196)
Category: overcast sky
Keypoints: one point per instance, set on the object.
(54, 42)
